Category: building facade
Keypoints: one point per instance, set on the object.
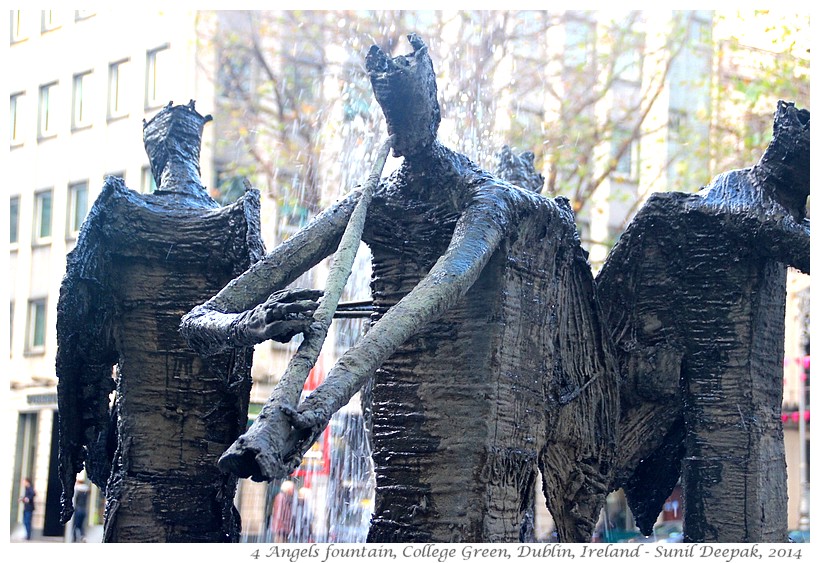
(81, 83)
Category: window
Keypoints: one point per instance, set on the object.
(14, 220)
(628, 62)
(77, 208)
(117, 77)
(624, 150)
(148, 184)
(47, 125)
(17, 33)
(15, 113)
(36, 334)
(701, 31)
(677, 122)
(580, 41)
(156, 77)
(81, 102)
(42, 217)
(50, 21)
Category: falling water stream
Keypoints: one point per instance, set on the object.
(330, 497)
(333, 490)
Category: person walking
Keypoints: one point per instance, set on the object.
(80, 509)
(282, 513)
(28, 505)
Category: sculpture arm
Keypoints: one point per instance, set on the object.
(254, 307)
(478, 233)
(788, 241)
(752, 214)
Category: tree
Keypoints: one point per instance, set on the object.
(750, 74)
(275, 65)
(493, 355)
(594, 96)
(140, 262)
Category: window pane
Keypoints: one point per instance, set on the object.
(44, 96)
(579, 39)
(47, 122)
(81, 104)
(16, 25)
(15, 107)
(37, 322)
(43, 218)
(116, 88)
(628, 65)
(113, 90)
(148, 184)
(78, 199)
(14, 219)
(39, 338)
(156, 77)
(78, 100)
(50, 20)
(677, 122)
(80, 207)
(624, 161)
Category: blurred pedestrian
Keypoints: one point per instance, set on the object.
(28, 505)
(81, 491)
(282, 512)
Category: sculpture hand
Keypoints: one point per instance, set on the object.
(283, 315)
(303, 419)
(308, 425)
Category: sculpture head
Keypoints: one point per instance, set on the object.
(785, 166)
(172, 140)
(405, 87)
(519, 169)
